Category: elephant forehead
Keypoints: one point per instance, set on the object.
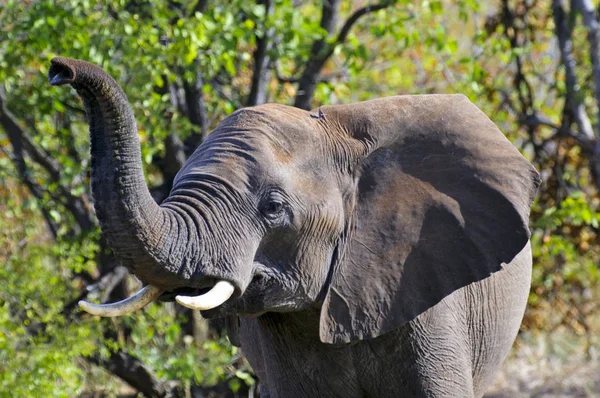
(264, 136)
(286, 130)
(250, 154)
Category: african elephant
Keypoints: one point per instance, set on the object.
(376, 249)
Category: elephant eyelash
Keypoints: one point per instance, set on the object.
(274, 208)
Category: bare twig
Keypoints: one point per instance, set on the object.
(196, 111)
(319, 55)
(10, 124)
(321, 51)
(13, 130)
(23, 142)
(536, 120)
(586, 9)
(563, 33)
(341, 74)
(174, 160)
(355, 17)
(262, 70)
(135, 373)
(200, 6)
(523, 88)
(74, 109)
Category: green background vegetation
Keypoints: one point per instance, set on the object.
(184, 67)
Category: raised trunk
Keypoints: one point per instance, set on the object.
(136, 228)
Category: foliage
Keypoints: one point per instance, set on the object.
(184, 66)
(34, 288)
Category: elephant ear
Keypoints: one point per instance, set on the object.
(441, 200)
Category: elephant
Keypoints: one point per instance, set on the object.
(375, 249)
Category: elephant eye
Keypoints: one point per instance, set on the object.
(273, 207)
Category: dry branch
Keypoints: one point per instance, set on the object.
(135, 373)
(322, 51)
(565, 43)
(262, 71)
(588, 12)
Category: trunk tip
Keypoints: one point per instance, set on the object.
(61, 71)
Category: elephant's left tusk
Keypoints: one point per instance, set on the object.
(216, 296)
(139, 300)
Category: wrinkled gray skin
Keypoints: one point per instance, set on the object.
(377, 249)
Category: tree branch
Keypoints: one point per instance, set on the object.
(65, 128)
(319, 55)
(13, 130)
(355, 17)
(586, 9)
(535, 120)
(174, 160)
(10, 124)
(196, 111)
(340, 74)
(574, 104)
(195, 105)
(200, 6)
(521, 82)
(563, 33)
(262, 71)
(21, 141)
(135, 373)
(321, 51)
(121, 364)
(105, 284)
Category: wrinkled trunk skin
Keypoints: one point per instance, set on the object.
(137, 229)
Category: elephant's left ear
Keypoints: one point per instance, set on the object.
(442, 200)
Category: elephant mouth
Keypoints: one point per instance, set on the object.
(262, 277)
(245, 304)
(210, 294)
(169, 295)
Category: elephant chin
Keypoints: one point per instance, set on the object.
(216, 296)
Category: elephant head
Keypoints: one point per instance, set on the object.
(371, 212)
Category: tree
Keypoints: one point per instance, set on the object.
(552, 102)
(185, 66)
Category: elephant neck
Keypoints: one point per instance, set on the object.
(285, 352)
(300, 326)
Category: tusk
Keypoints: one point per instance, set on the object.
(216, 296)
(139, 300)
